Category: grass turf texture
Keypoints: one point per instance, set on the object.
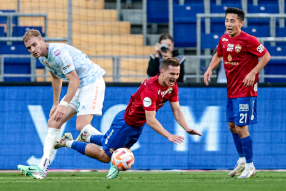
(165, 181)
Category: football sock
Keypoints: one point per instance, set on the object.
(79, 146)
(242, 160)
(96, 139)
(69, 143)
(238, 144)
(91, 130)
(249, 165)
(49, 151)
(247, 148)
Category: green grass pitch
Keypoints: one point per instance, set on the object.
(137, 181)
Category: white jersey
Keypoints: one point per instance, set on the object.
(63, 59)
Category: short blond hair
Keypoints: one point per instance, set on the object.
(170, 61)
(30, 34)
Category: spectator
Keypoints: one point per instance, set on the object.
(164, 49)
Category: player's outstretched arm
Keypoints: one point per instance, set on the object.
(57, 87)
(154, 124)
(250, 78)
(179, 116)
(208, 74)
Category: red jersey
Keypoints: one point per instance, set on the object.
(150, 96)
(240, 56)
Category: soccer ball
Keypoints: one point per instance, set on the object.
(122, 159)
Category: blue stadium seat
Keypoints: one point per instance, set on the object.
(210, 40)
(17, 66)
(13, 49)
(277, 67)
(222, 8)
(261, 8)
(19, 31)
(185, 24)
(3, 20)
(2, 31)
(261, 31)
(157, 11)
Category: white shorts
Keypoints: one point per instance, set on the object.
(89, 99)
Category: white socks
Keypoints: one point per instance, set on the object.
(249, 165)
(91, 130)
(69, 143)
(49, 151)
(242, 160)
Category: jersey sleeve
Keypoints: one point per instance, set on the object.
(255, 47)
(219, 47)
(175, 95)
(64, 61)
(148, 99)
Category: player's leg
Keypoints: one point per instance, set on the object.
(230, 115)
(90, 103)
(246, 114)
(40, 171)
(133, 138)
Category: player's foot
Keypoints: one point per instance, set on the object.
(34, 171)
(113, 172)
(247, 173)
(62, 142)
(238, 168)
(83, 136)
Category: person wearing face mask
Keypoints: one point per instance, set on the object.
(165, 49)
(128, 124)
(240, 52)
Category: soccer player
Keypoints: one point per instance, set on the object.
(84, 96)
(240, 52)
(128, 124)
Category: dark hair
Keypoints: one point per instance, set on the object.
(165, 36)
(169, 62)
(234, 10)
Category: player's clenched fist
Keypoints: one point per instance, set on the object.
(207, 77)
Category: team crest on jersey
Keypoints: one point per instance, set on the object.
(229, 58)
(237, 48)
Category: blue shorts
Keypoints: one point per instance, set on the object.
(241, 111)
(120, 134)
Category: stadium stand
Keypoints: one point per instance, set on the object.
(102, 33)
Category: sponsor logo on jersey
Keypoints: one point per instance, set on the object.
(230, 47)
(243, 107)
(224, 39)
(66, 67)
(237, 48)
(147, 102)
(229, 58)
(260, 48)
(57, 52)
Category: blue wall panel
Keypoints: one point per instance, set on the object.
(24, 114)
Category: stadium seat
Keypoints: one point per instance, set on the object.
(158, 11)
(90, 39)
(274, 66)
(3, 20)
(262, 31)
(210, 40)
(17, 66)
(13, 49)
(261, 8)
(19, 31)
(2, 31)
(185, 24)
